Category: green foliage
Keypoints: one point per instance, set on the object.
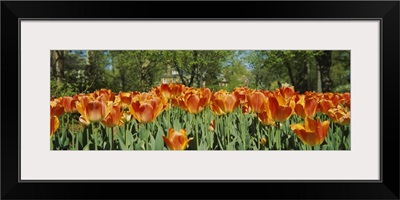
(83, 71)
(234, 131)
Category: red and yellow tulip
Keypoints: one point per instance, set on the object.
(194, 101)
(339, 115)
(223, 102)
(55, 111)
(114, 117)
(257, 101)
(69, 104)
(280, 109)
(93, 110)
(311, 132)
(146, 107)
(306, 106)
(176, 140)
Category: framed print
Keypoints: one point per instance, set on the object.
(182, 98)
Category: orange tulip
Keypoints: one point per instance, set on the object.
(241, 94)
(334, 98)
(108, 94)
(256, 101)
(146, 107)
(286, 91)
(176, 140)
(56, 107)
(172, 90)
(126, 117)
(311, 132)
(212, 125)
(325, 105)
(93, 110)
(114, 117)
(55, 110)
(194, 101)
(306, 106)
(125, 98)
(69, 104)
(263, 141)
(280, 110)
(245, 108)
(223, 102)
(339, 115)
(346, 99)
(54, 124)
(265, 119)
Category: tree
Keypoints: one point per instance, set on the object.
(137, 70)
(197, 67)
(324, 59)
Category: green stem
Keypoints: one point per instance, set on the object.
(126, 136)
(111, 138)
(148, 136)
(169, 113)
(87, 136)
(258, 133)
(278, 135)
(197, 130)
(243, 122)
(226, 123)
(95, 136)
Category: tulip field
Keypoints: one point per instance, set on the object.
(176, 117)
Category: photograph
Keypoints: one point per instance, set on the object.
(205, 100)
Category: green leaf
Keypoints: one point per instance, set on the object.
(129, 138)
(140, 145)
(121, 142)
(177, 125)
(152, 143)
(159, 143)
(144, 134)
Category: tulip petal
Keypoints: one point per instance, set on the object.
(168, 143)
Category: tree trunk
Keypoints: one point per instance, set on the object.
(324, 62)
(59, 66)
(319, 88)
(291, 75)
(194, 68)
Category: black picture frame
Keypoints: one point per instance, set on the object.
(386, 11)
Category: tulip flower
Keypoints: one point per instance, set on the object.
(306, 106)
(114, 117)
(108, 94)
(172, 90)
(241, 94)
(54, 124)
(194, 101)
(265, 119)
(92, 110)
(311, 132)
(223, 102)
(212, 125)
(286, 91)
(176, 140)
(339, 115)
(325, 105)
(280, 110)
(256, 101)
(69, 104)
(346, 99)
(56, 107)
(146, 107)
(55, 110)
(263, 141)
(125, 98)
